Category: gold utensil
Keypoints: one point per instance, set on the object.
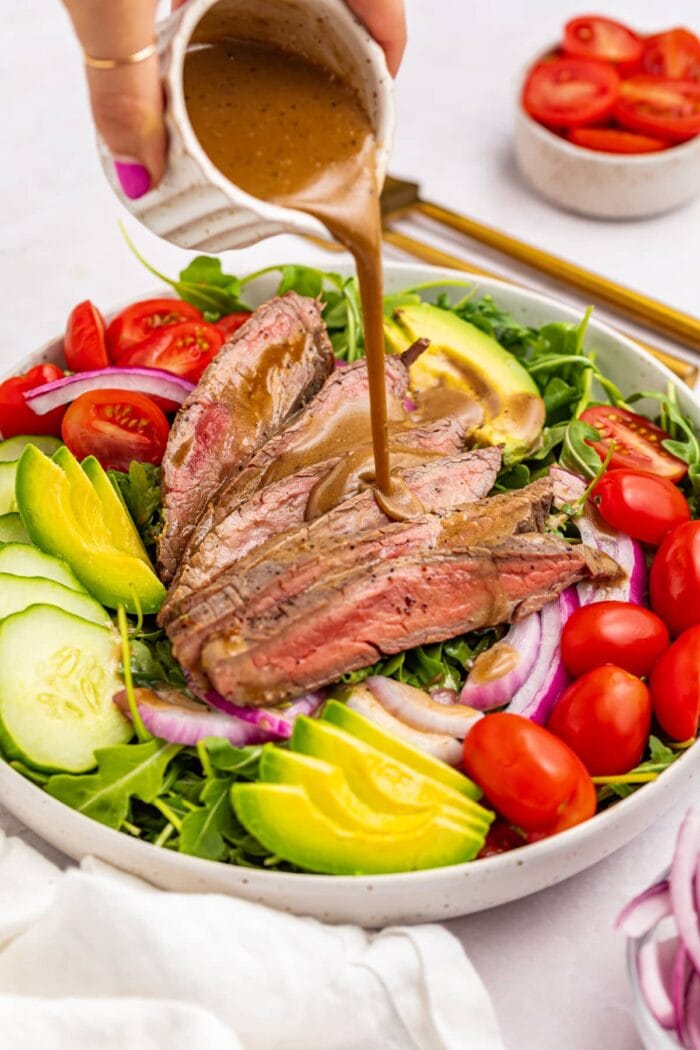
(401, 197)
(427, 253)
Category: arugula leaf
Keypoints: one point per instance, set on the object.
(140, 490)
(152, 661)
(683, 443)
(440, 666)
(576, 454)
(204, 831)
(243, 761)
(660, 758)
(122, 772)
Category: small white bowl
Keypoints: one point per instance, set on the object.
(605, 185)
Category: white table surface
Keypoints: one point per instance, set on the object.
(553, 964)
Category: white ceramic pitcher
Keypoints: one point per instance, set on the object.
(194, 205)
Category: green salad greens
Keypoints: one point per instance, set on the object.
(180, 797)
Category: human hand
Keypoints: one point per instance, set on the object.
(126, 95)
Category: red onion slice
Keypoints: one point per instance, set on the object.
(485, 690)
(682, 884)
(646, 910)
(187, 722)
(277, 723)
(548, 679)
(418, 709)
(568, 487)
(154, 381)
(680, 984)
(440, 745)
(626, 552)
(655, 968)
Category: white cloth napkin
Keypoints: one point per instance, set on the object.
(92, 959)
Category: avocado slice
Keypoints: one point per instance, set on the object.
(64, 516)
(382, 782)
(328, 789)
(464, 358)
(122, 529)
(345, 718)
(285, 820)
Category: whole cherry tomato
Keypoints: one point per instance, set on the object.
(84, 344)
(16, 417)
(619, 633)
(674, 581)
(533, 779)
(138, 321)
(675, 687)
(643, 505)
(116, 426)
(604, 717)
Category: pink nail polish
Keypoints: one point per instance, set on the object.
(133, 178)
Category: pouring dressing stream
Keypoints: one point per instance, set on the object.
(290, 132)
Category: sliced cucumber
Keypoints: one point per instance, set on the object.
(13, 447)
(12, 529)
(8, 503)
(21, 559)
(19, 592)
(58, 674)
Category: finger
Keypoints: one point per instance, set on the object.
(386, 21)
(127, 101)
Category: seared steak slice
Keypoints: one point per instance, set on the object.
(309, 555)
(271, 367)
(350, 620)
(280, 507)
(343, 396)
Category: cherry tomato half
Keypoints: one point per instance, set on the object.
(16, 417)
(637, 442)
(532, 778)
(183, 349)
(570, 92)
(613, 140)
(644, 506)
(674, 581)
(230, 324)
(675, 687)
(605, 718)
(602, 38)
(117, 427)
(619, 633)
(139, 320)
(675, 54)
(84, 344)
(654, 106)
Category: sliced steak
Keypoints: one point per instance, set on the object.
(343, 397)
(309, 555)
(271, 367)
(279, 507)
(350, 620)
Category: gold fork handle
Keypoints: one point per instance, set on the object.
(685, 371)
(679, 325)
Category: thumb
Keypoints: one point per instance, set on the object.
(126, 100)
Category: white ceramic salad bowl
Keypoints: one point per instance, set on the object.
(418, 896)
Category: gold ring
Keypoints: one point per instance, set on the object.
(115, 63)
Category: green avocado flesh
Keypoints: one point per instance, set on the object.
(464, 358)
(70, 517)
(345, 718)
(335, 804)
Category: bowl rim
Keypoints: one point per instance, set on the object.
(566, 840)
(656, 159)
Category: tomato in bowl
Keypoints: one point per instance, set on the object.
(608, 123)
